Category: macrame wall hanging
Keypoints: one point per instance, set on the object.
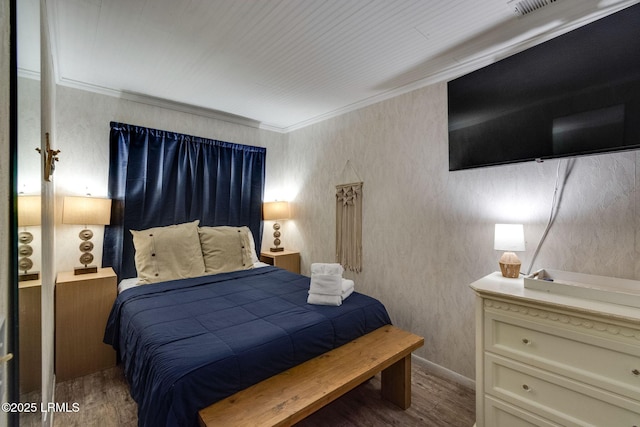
(349, 223)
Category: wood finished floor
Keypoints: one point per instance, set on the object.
(105, 401)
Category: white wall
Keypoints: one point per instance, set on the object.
(428, 232)
(83, 138)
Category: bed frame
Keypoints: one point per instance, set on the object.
(292, 395)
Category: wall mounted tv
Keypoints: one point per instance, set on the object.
(576, 94)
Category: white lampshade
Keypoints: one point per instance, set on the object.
(86, 211)
(276, 211)
(509, 237)
(28, 211)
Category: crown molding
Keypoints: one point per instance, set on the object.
(461, 66)
(28, 74)
(162, 103)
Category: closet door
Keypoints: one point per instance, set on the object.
(49, 154)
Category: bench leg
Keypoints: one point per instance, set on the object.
(396, 383)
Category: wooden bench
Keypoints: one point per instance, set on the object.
(290, 396)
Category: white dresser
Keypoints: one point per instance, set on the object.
(552, 360)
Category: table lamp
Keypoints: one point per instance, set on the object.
(86, 211)
(509, 238)
(28, 215)
(276, 211)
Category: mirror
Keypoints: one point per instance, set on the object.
(28, 184)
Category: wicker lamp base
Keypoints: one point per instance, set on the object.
(510, 265)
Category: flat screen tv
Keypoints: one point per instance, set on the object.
(576, 94)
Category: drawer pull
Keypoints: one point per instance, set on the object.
(526, 388)
(636, 373)
(526, 341)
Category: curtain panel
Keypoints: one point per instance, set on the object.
(159, 178)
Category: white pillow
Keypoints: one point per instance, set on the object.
(168, 253)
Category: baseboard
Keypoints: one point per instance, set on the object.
(443, 372)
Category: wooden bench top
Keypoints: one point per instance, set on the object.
(290, 396)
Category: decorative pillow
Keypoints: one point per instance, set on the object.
(168, 253)
(252, 243)
(225, 249)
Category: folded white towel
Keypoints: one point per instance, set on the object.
(326, 268)
(326, 284)
(323, 299)
(347, 288)
(320, 299)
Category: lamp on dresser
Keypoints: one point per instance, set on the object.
(509, 238)
(276, 211)
(86, 211)
(28, 216)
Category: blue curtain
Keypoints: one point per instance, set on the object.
(159, 178)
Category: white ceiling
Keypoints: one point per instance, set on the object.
(282, 64)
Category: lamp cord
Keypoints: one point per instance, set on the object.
(552, 215)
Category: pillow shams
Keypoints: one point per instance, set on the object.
(168, 253)
(252, 243)
(225, 249)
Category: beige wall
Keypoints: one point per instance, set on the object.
(428, 232)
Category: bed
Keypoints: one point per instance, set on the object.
(187, 343)
(202, 322)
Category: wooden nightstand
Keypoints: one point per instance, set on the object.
(288, 260)
(83, 304)
(30, 335)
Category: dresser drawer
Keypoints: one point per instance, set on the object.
(556, 398)
(605, 363)
(501, 414)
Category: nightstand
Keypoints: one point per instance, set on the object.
(288, 260)
(83, 304)
(30, 335)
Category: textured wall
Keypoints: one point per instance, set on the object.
(428, 232)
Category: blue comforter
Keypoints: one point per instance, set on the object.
(186, 344)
